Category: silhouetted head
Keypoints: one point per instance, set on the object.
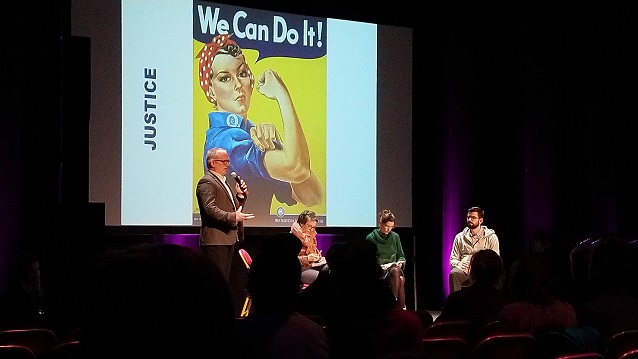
(156, 301)
(274, 278)
(352, 259)
(532, 279)
(356, 274)
(610, 266)
(486, 269)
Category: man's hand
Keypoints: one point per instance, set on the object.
(465, 264)
(241, 189)
(240, 216)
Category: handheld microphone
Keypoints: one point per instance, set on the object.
(238, 180)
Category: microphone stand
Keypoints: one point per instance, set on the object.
(414, 271)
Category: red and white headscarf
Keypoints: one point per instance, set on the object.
(206, 55)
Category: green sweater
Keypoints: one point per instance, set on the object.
(389, 247)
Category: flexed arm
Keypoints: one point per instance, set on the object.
(292, 162)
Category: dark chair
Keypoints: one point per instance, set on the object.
(444, 347)
(590, 355)
(505, 345)
(16, 352)
(621, 343)
(248, 261)
(450, 328)
(554, 344)
(69, 349)
(426, 318)
(317, 319)
(486, 330)
(39, 340)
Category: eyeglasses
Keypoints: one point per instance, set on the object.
(472, 217)
(223, 161)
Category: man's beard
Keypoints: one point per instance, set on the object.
(472, 225)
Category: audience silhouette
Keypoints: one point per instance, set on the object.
(275, 329)
(168, 300)
(482, 301)
(537, 305)
(613, 307)
(362, 315)
(161, 300)
(24, 303)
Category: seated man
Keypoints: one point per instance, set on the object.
(390, 254)
(474, 237)
(305, 228)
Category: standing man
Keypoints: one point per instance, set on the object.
(470, 240)
(220, 209)
(390, 254)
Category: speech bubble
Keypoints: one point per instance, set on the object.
(272, 34)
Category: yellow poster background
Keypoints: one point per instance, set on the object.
(306, 80)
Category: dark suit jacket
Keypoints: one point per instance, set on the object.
(219, 226)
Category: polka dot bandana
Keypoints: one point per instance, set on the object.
(206, 55)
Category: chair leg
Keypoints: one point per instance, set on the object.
(245, 310)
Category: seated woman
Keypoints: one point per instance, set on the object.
(312, 262)
(390, 254)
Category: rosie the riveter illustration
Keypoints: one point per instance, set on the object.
(271, 164)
